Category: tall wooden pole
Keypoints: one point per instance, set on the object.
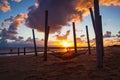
(99, 38)
(34, 42)
(88, 41)
(74, 35)
(102, 44)
(46, 35)
(18, 51)
(24, 50)
(93, 19)
(11, 50)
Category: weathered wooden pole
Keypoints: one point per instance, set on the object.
(102, 44)
(34, 42)
(18, 51)
(93, 19)
(99, 38)
(46, 35)
(88, 40)
(11, 50)
(74, 35)
(24, 50)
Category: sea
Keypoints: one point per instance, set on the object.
(14, 51)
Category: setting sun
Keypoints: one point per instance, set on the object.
(66, 44)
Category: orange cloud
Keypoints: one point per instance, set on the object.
(110, 2)
(18, 20)
(64, 37)
(61, 12)
(17, 0)
(4, 6)
(14, 22)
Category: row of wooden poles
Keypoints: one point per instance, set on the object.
(97, 25)
(18, 51)
(75, 45)
(45, 55)
(47, 28)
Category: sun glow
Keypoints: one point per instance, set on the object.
(66, 44)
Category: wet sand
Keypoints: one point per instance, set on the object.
(82, 67)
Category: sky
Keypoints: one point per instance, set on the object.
(19, 17)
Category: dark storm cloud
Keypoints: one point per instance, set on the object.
(61, 12)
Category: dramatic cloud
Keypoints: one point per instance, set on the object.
(110, 2)
(30, 41)
(14, 22)
(118, 35)
(107, 34)
(18, 20)
(61, 12)
(5, 35)
(7, 21)
(64, 37)
(4, 5)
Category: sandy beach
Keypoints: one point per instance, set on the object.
(82, 67)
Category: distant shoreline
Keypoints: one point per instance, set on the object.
(4, 51)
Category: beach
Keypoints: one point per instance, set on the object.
(82, 67)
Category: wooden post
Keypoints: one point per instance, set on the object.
(24, 51)
(34, 42)
(88, 41)
(46, 35)
(74, 35)
(102, 44)
(93, 19)
(11, 50)
(99, 38)
(18, 51)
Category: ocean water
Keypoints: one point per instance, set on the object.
(13, 51)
